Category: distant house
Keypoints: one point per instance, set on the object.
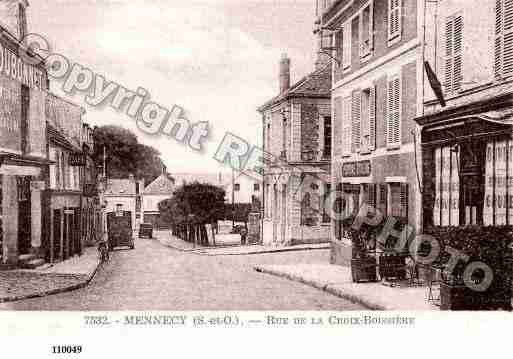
(157, 191)
(128, 194)
(245, 188)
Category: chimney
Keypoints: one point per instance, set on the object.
(284, 73)
(322, 60)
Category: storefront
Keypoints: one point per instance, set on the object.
(467, 164)
(23, 161)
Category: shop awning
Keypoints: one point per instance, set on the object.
(497, 109)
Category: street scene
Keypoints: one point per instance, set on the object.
(340, 155)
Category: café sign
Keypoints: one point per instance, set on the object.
(15, 68)
(356, 169)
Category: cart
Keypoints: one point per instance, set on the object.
(119, 228)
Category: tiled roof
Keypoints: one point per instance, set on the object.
(120, 187)
(317, 84)
(161, 185)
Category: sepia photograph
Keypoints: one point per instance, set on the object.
(337, 157)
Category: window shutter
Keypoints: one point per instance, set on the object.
(499, 17)
(372, 118)
(404, 200)
(394, 112)
(503, 38)
(371, 26)
(346, 51)
(394, 19)
(453, 53)
(383, 199)
(449, 25)
(338, 127)
(347, 124)
(339, 46)
(356, 121)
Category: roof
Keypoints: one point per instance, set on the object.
(316, 84)
(162, 185)
(217, 179)
(120, 186)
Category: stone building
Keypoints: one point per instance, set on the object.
(23, 156)
(160, 189)
(466, 143)
(126, 194)
(376, 94)
(297, 132)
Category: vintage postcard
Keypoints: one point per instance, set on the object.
(321, 164)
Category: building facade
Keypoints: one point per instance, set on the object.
(467, 148)
(297, 140)
(24, 164)
(128, 195)
(160, 189)
(377, 54)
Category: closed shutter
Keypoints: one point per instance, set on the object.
(371, 26)
(383, 199)
(394, 18)
(394, 112)
(346, 48)
(503, 38)
(453, 53)
(338, 127)
(347, 125)
(372, 119)
(339, 45)
(404, 200)
(356, 121)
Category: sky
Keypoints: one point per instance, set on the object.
(218, 59)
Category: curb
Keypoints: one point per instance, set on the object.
(53, 291)
(198, 251)
(328, 288)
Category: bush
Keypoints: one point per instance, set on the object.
(490, 245)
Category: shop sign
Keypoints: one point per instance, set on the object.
(77, 159)
(357, 169)
(14, 67)
(10, 114)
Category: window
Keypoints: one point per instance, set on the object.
(327, 137)
(366, 31)
(22, 21)
(236, 187)
(345, 46)
(453, 53)
(268, 138)
(394, 19)
(393, 125)
(256, 187)
(284, 139)
(346, 125)
(356, 121)
(368, 120)
(399, 200)
(503, 38)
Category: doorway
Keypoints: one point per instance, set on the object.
(24, 215)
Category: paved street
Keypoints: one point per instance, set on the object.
(154, 277)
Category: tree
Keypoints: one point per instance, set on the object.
(125, 155)
(196, 202)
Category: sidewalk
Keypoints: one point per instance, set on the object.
(72, 274)
(229, 245)
(337, 280)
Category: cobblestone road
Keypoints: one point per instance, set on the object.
(154, 277)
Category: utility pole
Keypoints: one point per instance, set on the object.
(233, 198)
